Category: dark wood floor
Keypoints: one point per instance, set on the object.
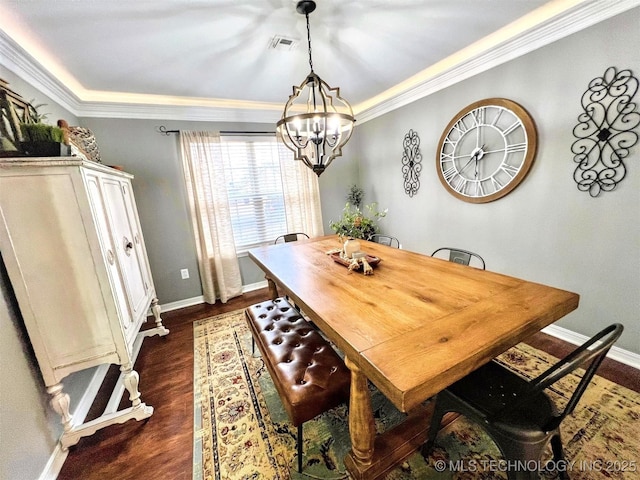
(161, 447)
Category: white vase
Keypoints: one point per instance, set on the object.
(351, 246)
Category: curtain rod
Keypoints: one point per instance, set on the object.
(162, 129)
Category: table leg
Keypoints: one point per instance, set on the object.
(373, 455)
(273, 289)
(362, 428)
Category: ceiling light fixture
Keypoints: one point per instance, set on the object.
(320, 124)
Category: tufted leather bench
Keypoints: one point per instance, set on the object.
(309, 375)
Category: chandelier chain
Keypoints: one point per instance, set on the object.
(309, 41)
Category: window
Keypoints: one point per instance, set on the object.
(254, 187)
(244, 191)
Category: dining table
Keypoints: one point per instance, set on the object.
(412, 327)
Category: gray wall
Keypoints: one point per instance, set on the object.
(28, 431)
(544, 231)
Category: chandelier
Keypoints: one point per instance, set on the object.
(317, 122)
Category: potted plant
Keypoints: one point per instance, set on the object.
(22, 128)
(356, 223)
(40, 139)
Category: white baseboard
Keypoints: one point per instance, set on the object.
(54, 465)
(254, 286)
(189, 302)
(616, 353)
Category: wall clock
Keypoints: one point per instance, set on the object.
(486, 150)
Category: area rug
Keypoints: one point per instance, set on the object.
(241, 430)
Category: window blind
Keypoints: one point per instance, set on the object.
(255, 191)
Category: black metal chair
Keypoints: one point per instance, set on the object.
(516, 413)
(385, 240)
(291, 237)
(457, 255)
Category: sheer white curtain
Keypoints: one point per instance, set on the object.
(301, 195)
(206, 181)
(207, 192)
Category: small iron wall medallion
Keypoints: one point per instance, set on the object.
(411, 163)
(604, 131)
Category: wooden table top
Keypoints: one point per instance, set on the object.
(417, 324)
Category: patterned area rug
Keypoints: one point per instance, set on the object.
(242, 431)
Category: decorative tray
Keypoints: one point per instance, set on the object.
(371, 260)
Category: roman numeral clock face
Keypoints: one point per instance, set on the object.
(486, 150)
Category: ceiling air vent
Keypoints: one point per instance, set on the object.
(282, 43)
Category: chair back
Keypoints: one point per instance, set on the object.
(458, 255)
(582, 357)
(385, 240)
(291, 237)
(585, 357)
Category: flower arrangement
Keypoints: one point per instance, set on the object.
(354, 223)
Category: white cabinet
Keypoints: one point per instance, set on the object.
(71, 241)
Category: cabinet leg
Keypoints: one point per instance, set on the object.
(73, 434)
(155, 309)
(131, 380)
(60, 403)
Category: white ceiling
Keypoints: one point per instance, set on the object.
(210, 59)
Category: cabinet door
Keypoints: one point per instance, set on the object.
(124, 234)
(138, 240)
(108, 247)
(53, 257)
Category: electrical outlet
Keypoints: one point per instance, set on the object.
(184, 273)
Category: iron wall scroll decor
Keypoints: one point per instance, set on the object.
(605, 131)
(411, 163)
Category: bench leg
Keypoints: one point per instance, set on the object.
(300, 448)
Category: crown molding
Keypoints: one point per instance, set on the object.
(178, 112)
(18, 60)
(572, 20)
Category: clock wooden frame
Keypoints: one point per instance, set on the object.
(531, 141)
